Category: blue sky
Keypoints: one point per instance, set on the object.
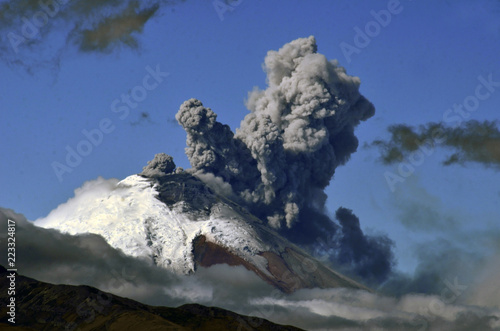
(426, 59)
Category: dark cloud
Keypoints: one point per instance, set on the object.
(117, 29)
(278, 163)
(473, 142)
(368, 257)
(34, 33)
(287, 149)
(344, 246)
(161, 165)
(212, 147)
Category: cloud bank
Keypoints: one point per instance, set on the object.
(473, 142)
(51, 256)
(455, 259)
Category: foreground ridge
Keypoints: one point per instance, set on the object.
(44, 306)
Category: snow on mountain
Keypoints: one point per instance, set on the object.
(133, 219)
(176, 222)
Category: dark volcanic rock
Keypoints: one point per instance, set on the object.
(187, 192)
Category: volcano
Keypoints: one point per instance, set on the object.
(247, 188)
(175, 221)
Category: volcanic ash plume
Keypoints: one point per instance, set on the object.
(299, 130)
(161, 165)
(369, 257)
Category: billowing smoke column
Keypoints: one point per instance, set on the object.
(299, 130)
(161, 165)
(369, 257)
(278, 163)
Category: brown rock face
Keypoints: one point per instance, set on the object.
(289, 268)
(289, 271)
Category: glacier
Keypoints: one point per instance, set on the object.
(131, 218)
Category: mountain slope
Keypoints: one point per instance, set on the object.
(176, 222)
(44, 306)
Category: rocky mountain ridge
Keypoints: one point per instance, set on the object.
(44, 306)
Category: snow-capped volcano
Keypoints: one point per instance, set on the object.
(133, 219)
(276, 165)
(178, 223)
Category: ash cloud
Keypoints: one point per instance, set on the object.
(278, 163)
(161, 165)
(473, 142)
(344, 246)
(368, 257)
(37, 33)
(460, 263)
(211, 147)
(299, 130)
